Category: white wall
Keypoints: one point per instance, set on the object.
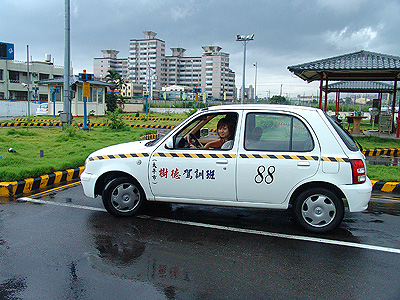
(17, 108)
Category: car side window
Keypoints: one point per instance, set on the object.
(209, 131)
(276, 132)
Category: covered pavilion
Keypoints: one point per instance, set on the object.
(354, 67)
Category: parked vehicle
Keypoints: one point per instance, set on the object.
(281, 157)
(42, 110)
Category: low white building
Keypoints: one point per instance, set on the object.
(14, 78)
(96, 103)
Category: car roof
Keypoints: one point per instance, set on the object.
(277, 107)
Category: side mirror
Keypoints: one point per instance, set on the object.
(204, 132)
(169, 144)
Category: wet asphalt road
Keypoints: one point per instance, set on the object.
(69, 248)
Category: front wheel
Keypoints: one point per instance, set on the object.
(319, 210)
(122, 197)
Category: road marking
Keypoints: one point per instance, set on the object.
(39, 201)
(56, 189)
(232, 229)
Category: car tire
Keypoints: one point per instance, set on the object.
(319, 210)
(123, 197)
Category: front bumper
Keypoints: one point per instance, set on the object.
(89, 183)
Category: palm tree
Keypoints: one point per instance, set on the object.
(111, 99)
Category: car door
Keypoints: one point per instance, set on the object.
(183, 174)
(278, 151)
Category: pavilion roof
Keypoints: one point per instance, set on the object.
(357, 66)
(361, 87)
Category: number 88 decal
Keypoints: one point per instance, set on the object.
(267, 178)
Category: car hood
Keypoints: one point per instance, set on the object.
(125, 148)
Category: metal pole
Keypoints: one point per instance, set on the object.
(255, 85)
(244, 71)
(28, 79)
(66, 96)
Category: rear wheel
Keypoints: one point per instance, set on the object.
(122, 197)
(319, 210)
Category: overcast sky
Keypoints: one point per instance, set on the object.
(287, 32)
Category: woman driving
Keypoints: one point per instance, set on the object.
(225, 131)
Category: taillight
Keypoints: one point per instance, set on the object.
(358, 169)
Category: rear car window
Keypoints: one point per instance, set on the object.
(276, 132)
(344, 135)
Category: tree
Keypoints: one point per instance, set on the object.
(118, 83)
(278, 100)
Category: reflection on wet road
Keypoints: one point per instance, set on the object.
(191, 252)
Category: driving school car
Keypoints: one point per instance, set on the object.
(281, 157)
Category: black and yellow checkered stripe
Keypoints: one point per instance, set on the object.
(381, 151)
(296, 157)
(195, 155)
(131, 155)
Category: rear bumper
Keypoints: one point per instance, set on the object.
(357, 195)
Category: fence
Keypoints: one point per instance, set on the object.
(16, 108)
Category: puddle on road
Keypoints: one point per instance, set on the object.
(383, 160)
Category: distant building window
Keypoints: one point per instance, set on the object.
(43, 76)
(1, 75)
(14, 76)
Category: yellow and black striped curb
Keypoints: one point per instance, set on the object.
(151, 119)
(381, 151)
(57, 124)
(150, 136)
(126, 118)
(387, 187)
(29, 185)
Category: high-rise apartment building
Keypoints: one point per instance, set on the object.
(109, 61)
(147, 58)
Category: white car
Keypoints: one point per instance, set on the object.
(281, 157)
(42, 110)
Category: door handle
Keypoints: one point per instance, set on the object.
(303, 164)
(222, 161)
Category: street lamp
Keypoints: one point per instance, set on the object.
(255, 84)
(244, 39)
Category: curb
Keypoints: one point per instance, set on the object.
(381, 151)
(386, 187)
(59, 124)
(14, 188)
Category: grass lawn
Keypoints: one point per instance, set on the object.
(62, 149)
(69, 148)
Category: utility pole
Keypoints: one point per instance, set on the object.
(28, 80)
(67, 60)
(255, 84)
(244, 39)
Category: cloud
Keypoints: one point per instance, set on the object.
(179, 12)
(341, 6)
(349, 39)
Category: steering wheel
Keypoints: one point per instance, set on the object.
(194, 142)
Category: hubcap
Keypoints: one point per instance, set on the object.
(318, 210)
(125, 197)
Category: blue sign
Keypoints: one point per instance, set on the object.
(86, 77)
(6, 51)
